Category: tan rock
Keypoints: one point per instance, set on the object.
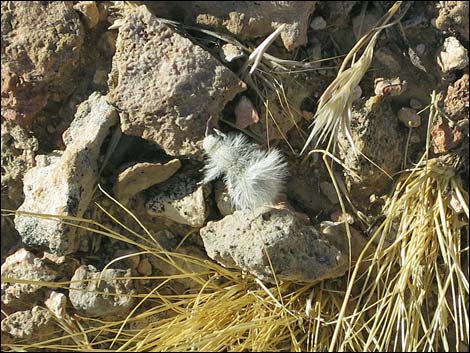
(166, 87)
(452, 55)
(62, 183)
(38, 60)
(141, 176)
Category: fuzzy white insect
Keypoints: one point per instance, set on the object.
(253, 177)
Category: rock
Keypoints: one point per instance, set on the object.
(456, 100)
(337, 235)
(420, 49)
(409, 117)
(452, 55)
(389, 87)
(444, 138)
(296, 250)
(93, 119)
(56, 303)
(222, 199)
(453, 17)
(41, 43)
(329, 191)
(356, 93)
(455, 203)
(62, 183)
(89, 11)
(25, 266)
(303, 190)
(141, 176)
(318, 23)
(145, 267)
(117, 301)
(180, 199)
(34, 325)
(100, 78)
(376, 133)
(230, 52)
(18, 149)
(245, 113)
(256, 19)
(165, 96)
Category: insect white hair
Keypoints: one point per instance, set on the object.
(253, 177)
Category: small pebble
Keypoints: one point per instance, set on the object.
(420, 48)
(357, 93)
(455, 203)
(452, 55)
(409, 117)
(100, 77)
(245, 113)
(389, 86)
(230, 53)
(415, 138)
(145, 267)
(56, 303)
(318, 23)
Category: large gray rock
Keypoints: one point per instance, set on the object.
(87, 281)
(24, 265)
(62, 183)
(296, 250)
(33, 325)
(165, 86)
(377, 133)
(41, 44)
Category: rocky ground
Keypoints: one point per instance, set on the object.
(120, 94)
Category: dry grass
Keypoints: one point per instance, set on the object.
(334, 107)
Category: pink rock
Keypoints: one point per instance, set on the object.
(245, 113)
